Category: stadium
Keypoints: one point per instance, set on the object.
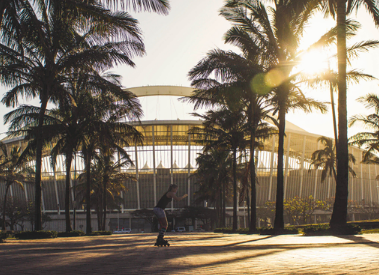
(168, 156)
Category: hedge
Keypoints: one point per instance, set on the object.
(26, 235)
(75, 233)
(96, 233)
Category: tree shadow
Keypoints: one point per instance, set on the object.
(359, 239)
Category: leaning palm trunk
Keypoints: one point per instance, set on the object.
(38, 188)
(88, 193)
(104, 202)
(234, 189)
(67, 192)
(339, 216)
(279, 212)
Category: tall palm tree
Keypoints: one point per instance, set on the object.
(108, 181)
(68, 125)
(339, 9)
(326, 159)
(62, 35)
(105, 129)
(225, 129)
(213, 177)
(233, 80)
(278, 37)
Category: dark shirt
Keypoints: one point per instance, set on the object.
(162, 203)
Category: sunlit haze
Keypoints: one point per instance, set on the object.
(176, 42)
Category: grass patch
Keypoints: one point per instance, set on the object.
(370, 231)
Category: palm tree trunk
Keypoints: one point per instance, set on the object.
(88, 192)
(339, 216)
(67, 192)
(279, 212)
(234, 189)
(5, 205)
(253, 217)
(223, 205)
(38, 189)
(104, 202)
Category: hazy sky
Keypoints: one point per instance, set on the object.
(176, 42)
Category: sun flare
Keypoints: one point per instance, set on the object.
(313, 63)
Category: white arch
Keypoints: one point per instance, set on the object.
(161, 90)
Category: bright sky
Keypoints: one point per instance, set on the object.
(176, 42)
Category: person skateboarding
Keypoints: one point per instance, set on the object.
(161, 214)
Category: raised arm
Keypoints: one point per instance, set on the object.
(173, 195)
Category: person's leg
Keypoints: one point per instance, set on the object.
(163, 222)
(162, 219)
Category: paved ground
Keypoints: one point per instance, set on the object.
(193, 253)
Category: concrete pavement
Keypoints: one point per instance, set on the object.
(193, 253)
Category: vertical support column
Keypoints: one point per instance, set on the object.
(315, 191)
(56, 190)
(189, 170)
(171, 166)
(287, 163)
(72, 188)
(328, 187)
(369, 180)
(154, 171)
(137, 177)
(26, 192)
(302, 168)
(351, 180)
(271, 167)
(377, 187)
(74, 202)
(122, 192)
(362, 189)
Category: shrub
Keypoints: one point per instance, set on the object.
(316, 230)
(74, 233)
(223, 230)
(324, 229)
(97, 233)
(26, 235)
(3, 236)
(272, 231)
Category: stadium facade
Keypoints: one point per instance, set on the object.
(168, 156)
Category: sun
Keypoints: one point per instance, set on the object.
(313, 63)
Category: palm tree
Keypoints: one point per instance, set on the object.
(107, 182)
(67, 126)
(368, 140)
(10, 171)
(59, 37)
(42, 66)
(213, 177)
(225, 129)
(105, 129)
(278, 39)
(233, 80)
(339, 9)
(326, 159)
